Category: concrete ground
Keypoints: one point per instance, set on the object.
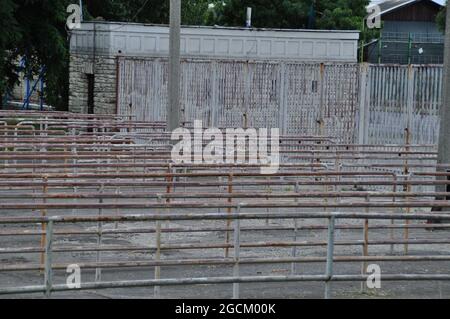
(420, 289)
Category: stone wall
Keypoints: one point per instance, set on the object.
(104, 70)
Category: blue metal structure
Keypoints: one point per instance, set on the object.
(26, 102)
(29, 90)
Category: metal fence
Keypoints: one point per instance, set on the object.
(400, 104)
(377, 104)
(101, 191)
(407, 48)
(235, 261)
(299, 98)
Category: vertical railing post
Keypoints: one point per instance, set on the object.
(282, 121)
(363, 105)
(247, 92)
(213, 122)
(74, 162)
(408, 139)
(409, 104)
(321, 118)
(407, 211)
(116, 200)
(230, 199)
(406, 188)
(379, 49)
(394, 190)
(171, 179)
(294, 248)
(269, 191)
(44, 214)
(157, 290)
(237, 249)
(98, 270)
(48, 276)
(409, 48)
(15, 141)
(365, 242)
(330, 255)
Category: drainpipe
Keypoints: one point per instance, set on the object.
(248, 21)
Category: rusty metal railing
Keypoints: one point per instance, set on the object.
(327, 278)
(64, 177)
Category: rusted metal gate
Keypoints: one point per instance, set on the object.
(377, 104)
(299, 98)
(401, 104)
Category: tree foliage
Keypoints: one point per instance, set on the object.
(193, 12)
(8, 72)
(440, 18)
(36, 28)
(340, 14)
(265, 14)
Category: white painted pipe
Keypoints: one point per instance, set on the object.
(248, 22)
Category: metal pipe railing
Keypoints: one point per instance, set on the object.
(103, 166)
(48, 287)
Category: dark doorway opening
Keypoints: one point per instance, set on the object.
(90, 100)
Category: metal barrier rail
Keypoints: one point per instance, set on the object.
(107, 162)
(235, 195)
(328, 277)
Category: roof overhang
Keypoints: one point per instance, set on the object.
(400, 5)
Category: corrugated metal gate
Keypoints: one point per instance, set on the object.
(353, 103)
(400, 97)
(299, 98)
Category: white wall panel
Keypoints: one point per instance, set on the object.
(216, 42)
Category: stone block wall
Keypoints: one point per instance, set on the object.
(104, 69)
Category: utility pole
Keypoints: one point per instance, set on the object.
(173, 109)
(444, 131)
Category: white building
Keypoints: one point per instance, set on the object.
(97, 47)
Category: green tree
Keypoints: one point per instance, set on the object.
(193, 12)
(440, 18)
(35, 29)
(345, 15)
(145, 11)
(340, 14)
(265, 13)
(8, 74)
(44, 43)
